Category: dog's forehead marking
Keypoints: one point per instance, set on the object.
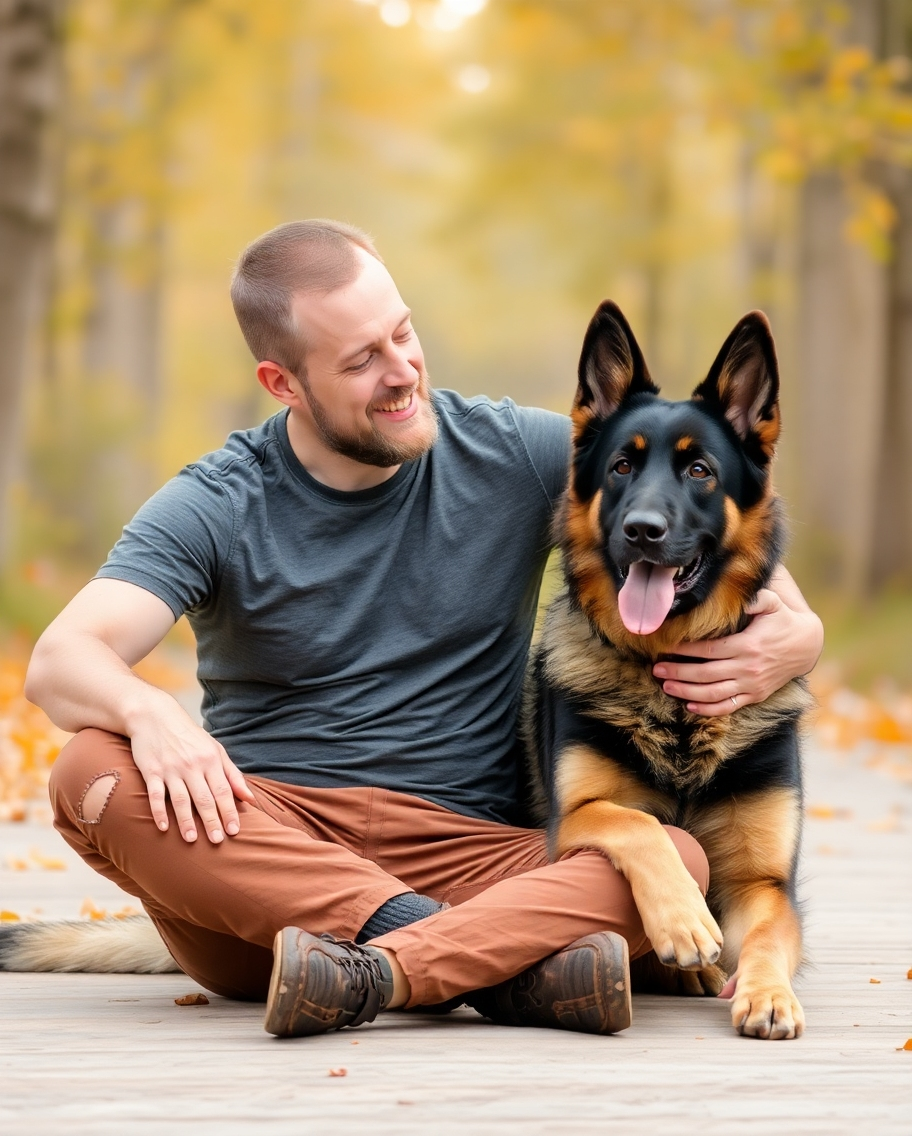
(680, 426)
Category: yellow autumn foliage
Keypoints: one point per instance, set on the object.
(29, 742)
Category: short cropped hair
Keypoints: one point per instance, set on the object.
(295, 258)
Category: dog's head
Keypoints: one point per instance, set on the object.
(670, 524)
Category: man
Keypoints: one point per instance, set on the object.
(361, 573)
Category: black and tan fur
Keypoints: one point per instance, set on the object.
(613, 757)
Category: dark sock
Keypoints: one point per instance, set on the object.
(398, 912)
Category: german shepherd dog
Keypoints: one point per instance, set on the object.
(668, 529)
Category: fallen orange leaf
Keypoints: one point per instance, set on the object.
(874, 981)
(338, 1072)
(827, 812)
(49, 863)
(891, 824)
(908, 1044)
(192, 1000)
(9, 917)
(909, 973)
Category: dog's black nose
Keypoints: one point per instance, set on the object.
(644, 528)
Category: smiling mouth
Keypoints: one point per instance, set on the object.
(649, 592)
(398, 405)
(683, 579)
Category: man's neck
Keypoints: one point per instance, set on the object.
(332, 469)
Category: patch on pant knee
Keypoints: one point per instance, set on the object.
(96, 796)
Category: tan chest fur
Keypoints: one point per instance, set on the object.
(621, 691)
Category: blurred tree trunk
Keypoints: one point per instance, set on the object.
(123, 327)
(892, 550)
(855, 355)
(842, 368)
(123, 333)
(29, 87)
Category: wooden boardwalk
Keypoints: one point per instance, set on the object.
(104, 1055)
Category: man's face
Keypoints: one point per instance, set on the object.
(366, 389)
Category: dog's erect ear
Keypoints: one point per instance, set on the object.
(611, 366)
(743, 383)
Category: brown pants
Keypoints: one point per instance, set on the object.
(325, 860)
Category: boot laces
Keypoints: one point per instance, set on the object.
(362, 966)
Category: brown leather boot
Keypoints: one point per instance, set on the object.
(321, 984)
(584, 987)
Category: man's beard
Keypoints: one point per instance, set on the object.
(373, 447)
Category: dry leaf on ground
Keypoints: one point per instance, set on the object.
(827, 812)
(48, 863)
(90, 911)
(341, 1072)
(192, 1000)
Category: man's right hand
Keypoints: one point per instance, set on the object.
(180, 761)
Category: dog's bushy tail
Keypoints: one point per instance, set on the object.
(106, 946)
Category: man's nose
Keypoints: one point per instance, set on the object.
(645, 528)
(401, 367)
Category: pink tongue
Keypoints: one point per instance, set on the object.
(646, 597)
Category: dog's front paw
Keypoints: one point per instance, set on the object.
(771, 1012)
(684, 934)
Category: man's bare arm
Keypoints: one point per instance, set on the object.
(80, 676)
(782, 641)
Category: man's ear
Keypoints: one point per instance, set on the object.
(279, 382)
(611, 366)
(743, 383)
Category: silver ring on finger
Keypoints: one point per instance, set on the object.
(734, 700)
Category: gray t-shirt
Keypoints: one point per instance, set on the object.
(368, 638)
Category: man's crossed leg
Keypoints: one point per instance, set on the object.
(326, 860)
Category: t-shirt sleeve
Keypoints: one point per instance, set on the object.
(178, 542)
(546, 436)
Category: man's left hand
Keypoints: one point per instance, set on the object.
(783, 640)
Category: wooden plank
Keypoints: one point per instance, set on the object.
(99, 1054)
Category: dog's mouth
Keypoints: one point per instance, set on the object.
(649, 592)
(685, 578)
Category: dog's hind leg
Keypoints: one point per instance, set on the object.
(649, 976)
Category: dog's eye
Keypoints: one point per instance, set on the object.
(623, 466)
(699, 471)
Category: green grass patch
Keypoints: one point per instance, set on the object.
(869, 642)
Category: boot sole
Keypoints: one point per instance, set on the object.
(620, 1007)
(280, 1001)
(613, 979)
